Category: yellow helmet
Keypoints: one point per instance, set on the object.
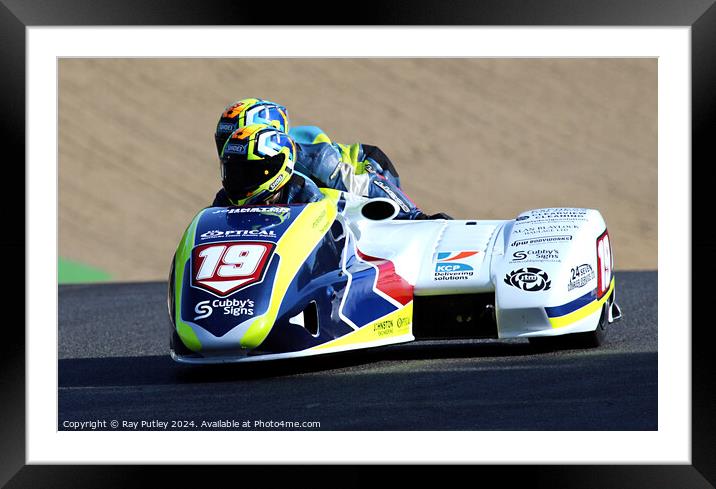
(256, 161)
(249, 111)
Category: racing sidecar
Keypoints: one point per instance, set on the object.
(280, 281)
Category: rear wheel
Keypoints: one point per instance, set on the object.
(593, 339)
(589, 339)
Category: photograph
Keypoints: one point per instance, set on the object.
(357, 244)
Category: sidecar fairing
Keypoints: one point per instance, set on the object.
(270, 282)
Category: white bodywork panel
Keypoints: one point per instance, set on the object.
(540, 265)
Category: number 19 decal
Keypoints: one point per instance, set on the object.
(223, 268)
(605, 263)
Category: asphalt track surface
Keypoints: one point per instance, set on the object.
(114, 365)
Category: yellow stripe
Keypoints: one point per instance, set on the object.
(396, 323)
(321, 138)
(293, 248)
(572, 317)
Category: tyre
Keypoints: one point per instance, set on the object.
(170, 294)
(175, 343)
(177, 346)
(593, 339)
(590, 339)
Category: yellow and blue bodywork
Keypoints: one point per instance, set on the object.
(280, 281)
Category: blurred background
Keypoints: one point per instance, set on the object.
(477, 138)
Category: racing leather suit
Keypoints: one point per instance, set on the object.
(345, 167)
(301, 190)
(348, 168)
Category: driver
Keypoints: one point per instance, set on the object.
(258, 167)
(346, 167)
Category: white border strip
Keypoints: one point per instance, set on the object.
(671, 444)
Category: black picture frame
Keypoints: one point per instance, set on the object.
(700, 15)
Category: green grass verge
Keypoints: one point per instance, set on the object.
(71, 272)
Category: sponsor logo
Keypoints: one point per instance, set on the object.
(242, 210)
(392, 195)
(226, 127)
(320, 219)
(542, 239)
(581, 276)
(447, 268)
(203, 309)
(528, 279)
(541, 254)
(235, 307)
(230, 307)
(452, 267)
(403, 322)
(277, 182)
(260, 233)
(235, 148)
(383, 327)
(454, 275)
(390, 327)
(559, 214)
(545, 228)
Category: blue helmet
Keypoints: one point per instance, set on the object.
(246, 112)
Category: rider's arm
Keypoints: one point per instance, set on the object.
(365, 158)
(381, 187)
(383, 164)
(336, 165)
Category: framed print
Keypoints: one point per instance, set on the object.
(482, 123)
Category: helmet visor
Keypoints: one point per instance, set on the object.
(241, 177)
(272, 115)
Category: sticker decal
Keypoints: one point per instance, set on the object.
(216, 233)
(529, 279)
(541, 239)
(449, 265)
(229, 307)
(544, 229)
(559, 214)
(223, 268)
(392, 195)
(260, 210)
(580, 276)
(203, 309)
(540, 254)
